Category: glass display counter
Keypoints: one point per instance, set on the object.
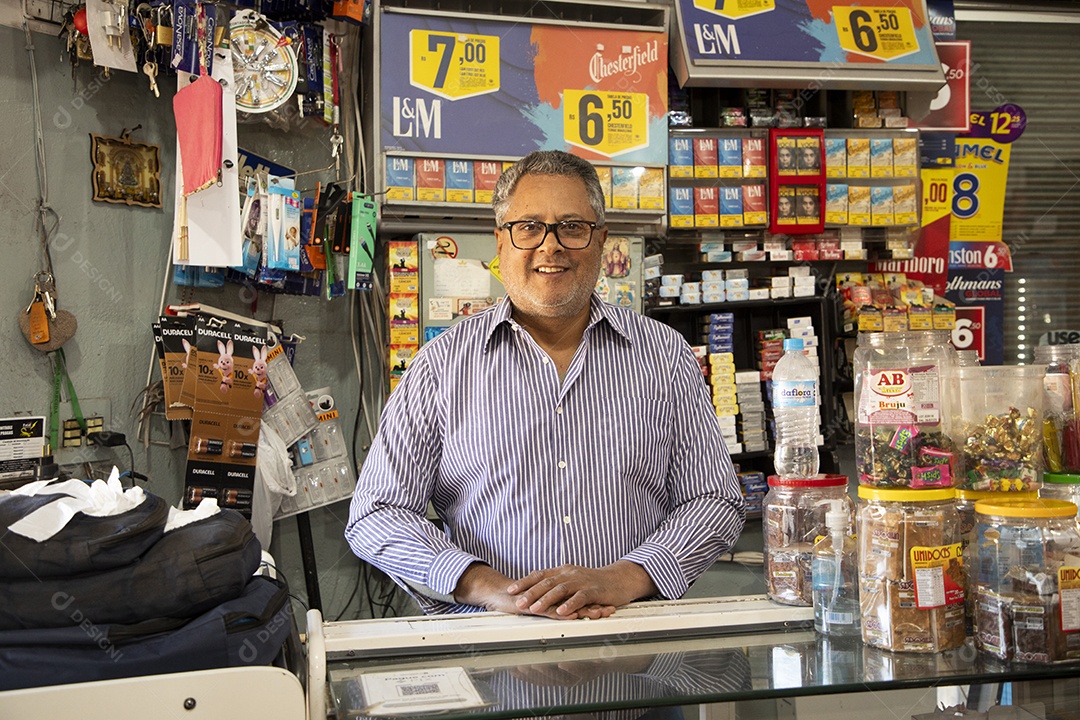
(618, 673)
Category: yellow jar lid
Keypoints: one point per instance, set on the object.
(995, 495)
(868, 492)
(1038, 508)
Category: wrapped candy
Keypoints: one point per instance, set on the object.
(1002, 453)
(906, 456)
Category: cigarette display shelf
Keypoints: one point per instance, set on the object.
(421, 192)
(751, 316)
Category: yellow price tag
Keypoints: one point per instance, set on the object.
(454, 65)
(735, 9)
(885, 33)
(609, 123)
(937, 193)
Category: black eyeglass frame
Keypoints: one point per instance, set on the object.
(548, 229)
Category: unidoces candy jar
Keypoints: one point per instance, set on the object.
(1026, 570)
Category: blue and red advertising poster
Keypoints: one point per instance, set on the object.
(479, 87)
(811, 31)
(980, 312)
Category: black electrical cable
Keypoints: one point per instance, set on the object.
(134, 475)
(360, 375)
(356, 588)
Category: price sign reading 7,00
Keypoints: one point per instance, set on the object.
(454, 65)
(885, 33)
(608, 123)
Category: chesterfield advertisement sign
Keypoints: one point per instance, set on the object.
(493, 87)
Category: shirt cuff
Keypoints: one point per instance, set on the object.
(663, 568)
(447, 568)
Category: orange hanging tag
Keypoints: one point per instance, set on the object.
(39, 323)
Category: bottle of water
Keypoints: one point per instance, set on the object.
(794, 401)
(833, 573)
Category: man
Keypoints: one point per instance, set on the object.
(570, 447)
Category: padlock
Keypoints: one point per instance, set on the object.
(163, 32)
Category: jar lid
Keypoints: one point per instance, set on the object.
(1061, 479)
(997, 494)
(820, 480)
(868, 492)
(1039, 508)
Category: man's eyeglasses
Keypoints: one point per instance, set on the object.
(530, 234)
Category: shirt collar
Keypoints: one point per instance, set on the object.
(599, 311)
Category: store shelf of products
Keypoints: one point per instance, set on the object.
(750, 322)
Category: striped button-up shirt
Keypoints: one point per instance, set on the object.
(621, 459)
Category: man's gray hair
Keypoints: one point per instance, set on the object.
(548, 162)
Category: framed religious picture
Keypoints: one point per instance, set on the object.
(124, 171)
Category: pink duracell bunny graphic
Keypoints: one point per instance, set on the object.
(224, 365)
(258, 369)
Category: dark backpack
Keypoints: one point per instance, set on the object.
(186, 572)
(85, 544)
(247, 630)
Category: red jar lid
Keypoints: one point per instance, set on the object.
(816, 481)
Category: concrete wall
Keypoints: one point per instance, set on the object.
(110, 262)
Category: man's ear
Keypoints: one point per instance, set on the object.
(498, 241)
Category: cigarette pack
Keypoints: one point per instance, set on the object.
(681, 207)
(835, 157)
(706, 207)
(858, 157)
(604, 173)
(881, 206)
(881, 157)
(485, 175)
(730, 158)
(705, 157)
(807, 205)
(753, 201)
(904, 205)
(651, 189)
(624, 188)
(809, 160)
(858, 205)
(681, 157)
(905, 157)
(459, 181)
(731, 207)
(753, 157)
(785, 205)
(786, 153)
(836, 201)
(430, 180)
(400, 178)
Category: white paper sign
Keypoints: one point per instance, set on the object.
(461, 277)
(419, 691)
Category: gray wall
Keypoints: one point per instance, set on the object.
(110, 262)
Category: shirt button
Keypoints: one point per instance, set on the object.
(562, 464)
(566, 519)
(545, 361)
(558, 410)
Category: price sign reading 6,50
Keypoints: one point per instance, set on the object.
(885, 33)
(454, 65)
(608, 123)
